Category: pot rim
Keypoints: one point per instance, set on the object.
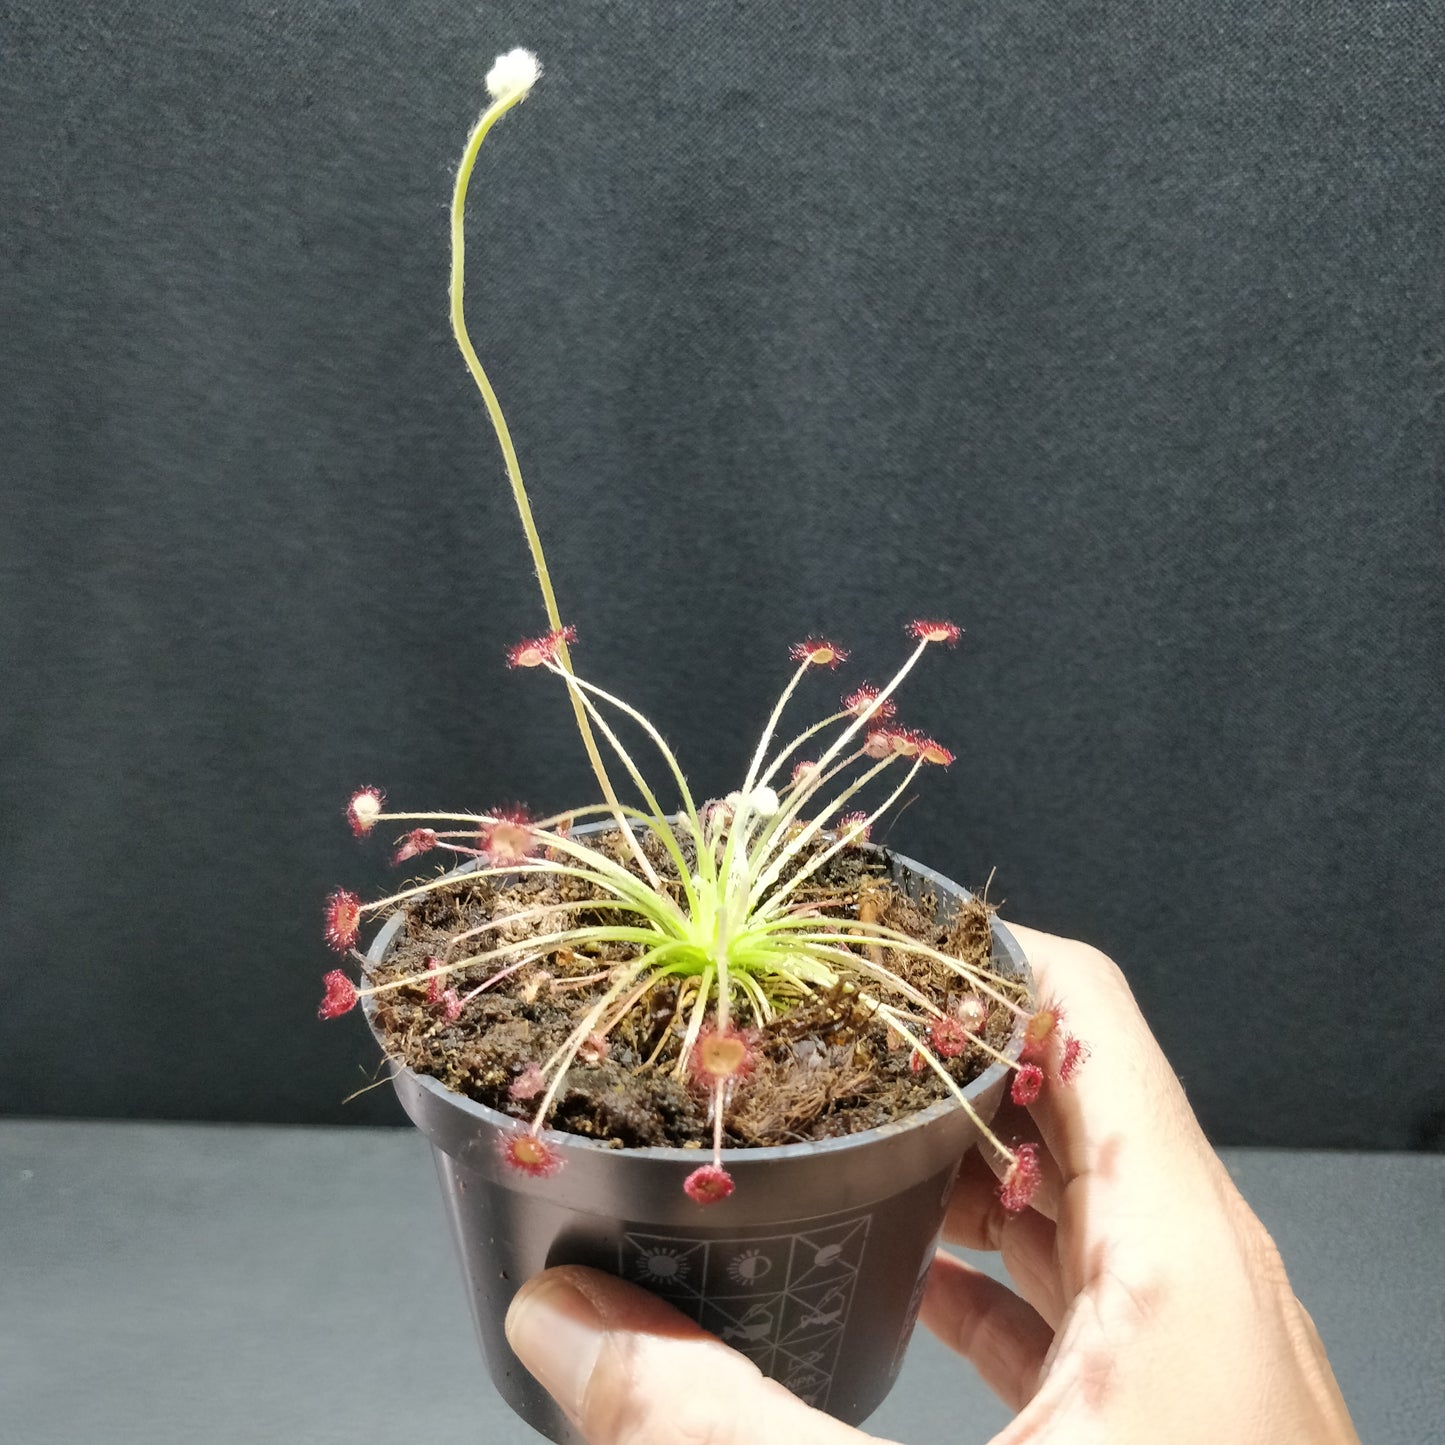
(732, 1157)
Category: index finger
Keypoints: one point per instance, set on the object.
(1125, 1109)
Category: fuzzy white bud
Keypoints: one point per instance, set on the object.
(512, 75)
(764, 802)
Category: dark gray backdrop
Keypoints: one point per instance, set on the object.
(1112, 331)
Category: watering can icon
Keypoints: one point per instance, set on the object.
(756, 1324)
(828, 1310)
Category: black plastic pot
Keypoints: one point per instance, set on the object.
(814, 1267)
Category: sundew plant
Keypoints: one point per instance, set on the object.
(705, 899)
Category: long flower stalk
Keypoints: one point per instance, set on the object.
(510, 81)
(692, 918)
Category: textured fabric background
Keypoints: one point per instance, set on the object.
(1112, 331)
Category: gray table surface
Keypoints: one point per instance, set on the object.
(183, 1283)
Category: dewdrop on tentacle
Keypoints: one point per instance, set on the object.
(879, 743)
(933, 751)
(594, 1049)
(949, 1037)
(972, 1012)
(343, 919)
(415, 843)
(928, 630)
(722, 1054)
(529, 1083)
(530, 1154)
(708, 1185)
(1028, 1082)
(1076, 1051)
(1043, 1026)
(1022, 1180)
(541, 651)
(508, 836)
(340, 995)
(818, 652)
(864, 702)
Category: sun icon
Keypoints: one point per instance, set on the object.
(663, 1264)
(749, 1266)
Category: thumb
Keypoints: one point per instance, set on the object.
(628, 1369)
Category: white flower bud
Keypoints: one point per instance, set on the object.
(764, 802)
(513, 75)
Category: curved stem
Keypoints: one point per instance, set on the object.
(489, 118)
(745, 793)
(525, 915)
(782, 757)
(603, 874)
(565, 938)
(561, 1060)
(689, 807)
(756, 905)
(542, 825)
(861, 721)
(792, 810)
(936, 1065)
(694, 1022)
(897, 942)
(831, 955)
(657, 819)
(651, 902)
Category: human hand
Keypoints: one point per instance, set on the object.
(1149, 1303)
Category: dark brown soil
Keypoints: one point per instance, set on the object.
(826, 1068)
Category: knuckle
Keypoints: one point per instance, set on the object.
(1102, 964)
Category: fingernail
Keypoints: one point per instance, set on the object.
(557, 1334)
